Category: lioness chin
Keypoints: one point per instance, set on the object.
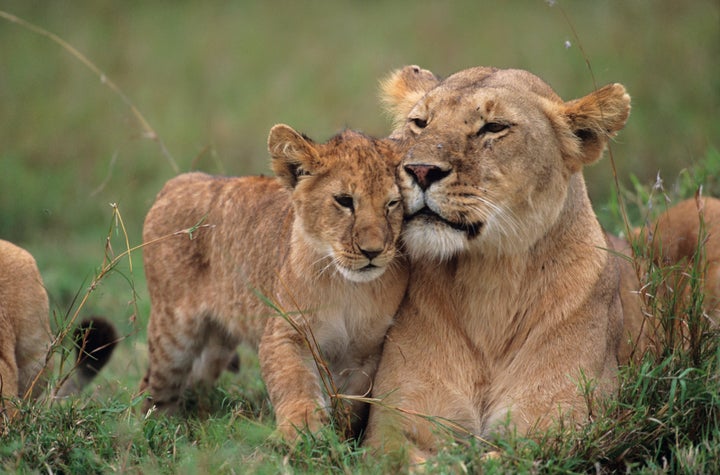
(512, 306)
(319, 241)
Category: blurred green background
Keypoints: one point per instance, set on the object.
(212, 78)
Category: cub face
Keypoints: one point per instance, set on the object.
(489, 154)
(348, 209)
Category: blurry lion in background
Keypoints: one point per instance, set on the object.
(26, 338)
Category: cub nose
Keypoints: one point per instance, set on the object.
(425, 175)
(371, 253)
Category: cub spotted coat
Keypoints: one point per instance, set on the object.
(319, 241)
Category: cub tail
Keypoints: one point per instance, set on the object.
(95, 340)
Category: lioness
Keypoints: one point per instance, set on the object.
(319, 240)
(25, 336)
(512, 303)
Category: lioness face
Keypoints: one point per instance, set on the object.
(488, 157)
(346, 198)
(482, 171)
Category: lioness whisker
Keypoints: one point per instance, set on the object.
(502, 213)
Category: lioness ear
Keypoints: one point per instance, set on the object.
(293, 155)
(593, 120)
(400, 91)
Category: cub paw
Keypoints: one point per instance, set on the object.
(306, 418)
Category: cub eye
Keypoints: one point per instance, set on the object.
(419, 123)
(346, 201)
(392, 204)
(492, 127)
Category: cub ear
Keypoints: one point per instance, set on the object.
(402, 89)
(594, 119)
(293, 155)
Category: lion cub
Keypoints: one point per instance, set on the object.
(319, 241)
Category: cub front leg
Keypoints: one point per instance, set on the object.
(292, 379)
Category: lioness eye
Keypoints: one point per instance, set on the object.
(345, 201)
(420, 123)
(492, 127)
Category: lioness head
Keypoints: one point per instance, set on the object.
(347, 203)
(489, 155)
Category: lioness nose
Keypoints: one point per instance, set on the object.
(370, 253)
(426, 175)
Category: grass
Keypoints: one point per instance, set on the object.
(211, 79)
(666, 419)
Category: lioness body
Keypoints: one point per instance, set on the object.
(513, 301)
(319, 242)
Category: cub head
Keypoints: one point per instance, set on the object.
(346, 200)
(489, 155)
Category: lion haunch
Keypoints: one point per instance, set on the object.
(26, 338)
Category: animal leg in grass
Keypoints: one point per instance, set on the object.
(292, 381)
(218, 354)
(172, 354)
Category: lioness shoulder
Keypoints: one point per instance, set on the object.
(512, 303)
(310, 255)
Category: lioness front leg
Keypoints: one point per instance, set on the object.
(292, 380)
(402, 435)
(410, 417)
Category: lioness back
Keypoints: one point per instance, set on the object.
(319, 241)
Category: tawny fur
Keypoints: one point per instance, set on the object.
(512, 302)
(319, 241)
(403, 89)
(25, 336)
(674, 240)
